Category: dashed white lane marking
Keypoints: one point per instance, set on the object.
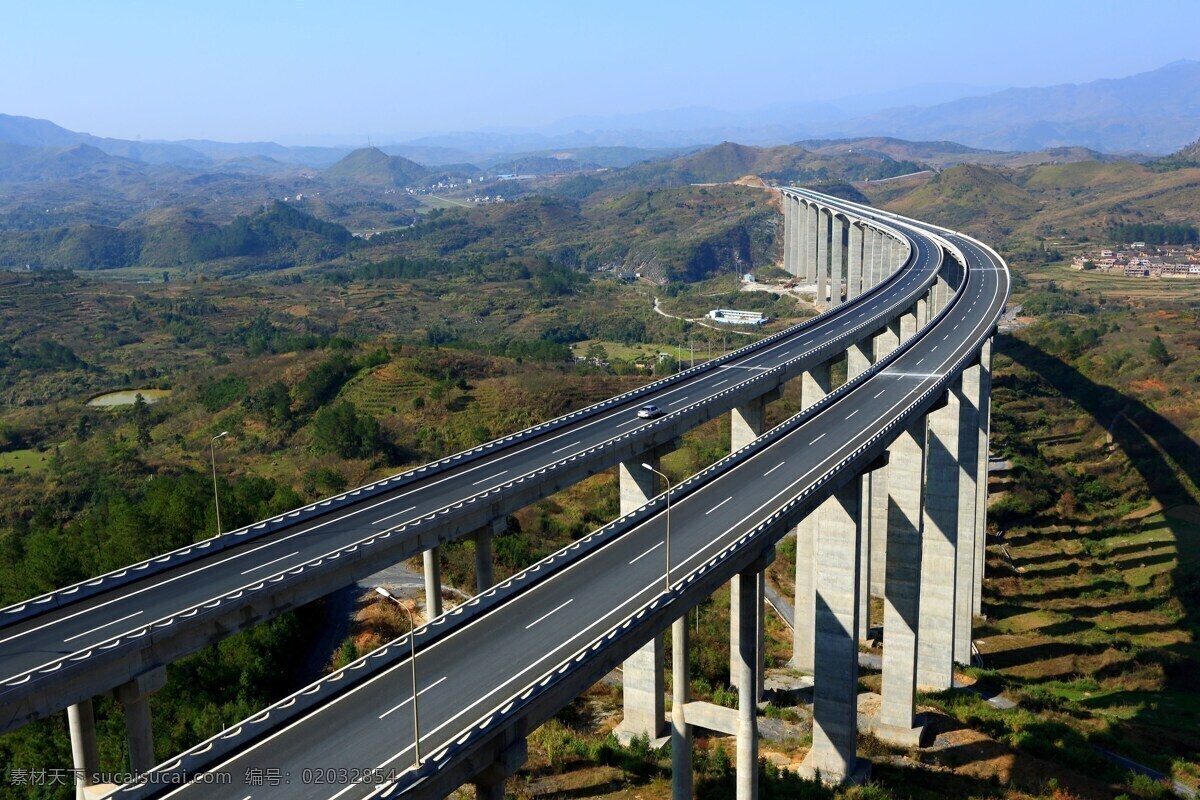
(648, 552)
(677, 402)
(390, 516)
(852, 413)
(409, 700)
(718, 505)
(772, 469)
(269, 563)
(548, 613)
(568, 447)
(105, 625)
(819, 438)
(497, 475)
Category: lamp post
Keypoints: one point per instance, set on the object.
(412, 649)
(668, 540)
(212, 449)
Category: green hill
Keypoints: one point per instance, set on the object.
(275, 237)
(1187, 157)
(679, 233)
(370, 166)
(969, 195)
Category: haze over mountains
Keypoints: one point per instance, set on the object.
(1153, 113)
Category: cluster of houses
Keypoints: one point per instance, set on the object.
(1139, 261)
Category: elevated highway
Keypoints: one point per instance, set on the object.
(883, 478)
(114, 630)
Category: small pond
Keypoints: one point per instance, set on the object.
(128, 397)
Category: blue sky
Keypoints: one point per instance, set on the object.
(302, 70)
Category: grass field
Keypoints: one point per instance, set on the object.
(26, 461)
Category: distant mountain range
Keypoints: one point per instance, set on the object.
(1152, 113)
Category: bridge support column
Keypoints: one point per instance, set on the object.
(489, 783)
(909, 324)
(981, 499)
(814, 384)
(858, 358)
(681, 731)
(939, 540)
(837, 261)
(941, 294)
(746, 593)
(642, 673)
(902, 587)
(876, 257)
(746, 424)
(923, 311)
(813, 228)
(800, 240)
(876, 556)
(432, 559)
(134, 698)
(85, 752)
(735, 631)
(484, 576)
(854, 263)
(787, 205)
(968, 462)
(835, 690)
(824, 232)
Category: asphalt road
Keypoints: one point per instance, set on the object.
(482, 666)
(46, 638)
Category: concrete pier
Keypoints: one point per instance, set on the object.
(859, 358)
(489, 783)
(939, 540)
(813, 228)
(835, 687)
(967, 388)
(824, 232)
(879, 526)
(744, 590)
(854, 262)
(814, 384)
(902, 587)
(85, 752)
(837, 260)
(134, 698)
(909, 324)
(681, 731)
(484, 576)
(746, 424)
(642, 673)
(981, 498)
(432, 559)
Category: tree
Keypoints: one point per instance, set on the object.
(1158, 351)
(141, 419)
(343, 430)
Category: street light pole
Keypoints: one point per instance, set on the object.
(412, 650)
(212, 449)
(668, 540)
